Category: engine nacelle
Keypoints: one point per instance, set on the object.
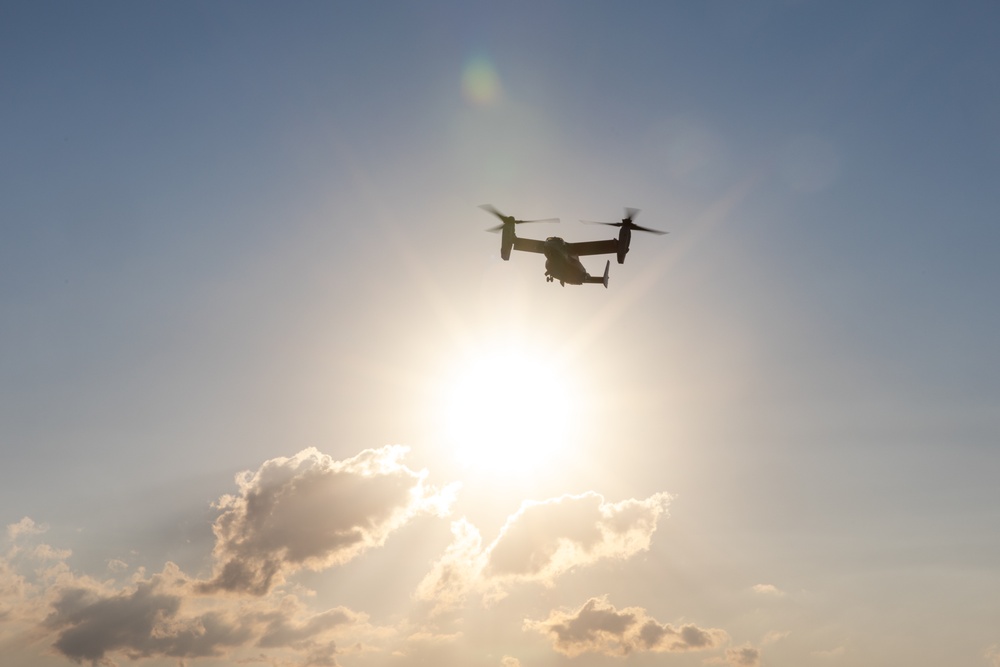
(624, 236)
(507, 240)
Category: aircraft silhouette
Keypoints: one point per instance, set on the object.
(562, 259)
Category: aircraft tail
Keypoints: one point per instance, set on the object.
(603, 280)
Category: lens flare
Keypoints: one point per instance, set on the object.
(480, 83)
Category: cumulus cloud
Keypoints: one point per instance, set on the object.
(12, 583)
(598, 627)
(117, 566)
(455, 574)
(282, 630)
(158, 617)
(743, 656)
(25, 526)
(768, 589)
(12, 589)
(27, 570)
(541, 541)
(310, 511)
(140, 622)
(307, 511)
(46, 552)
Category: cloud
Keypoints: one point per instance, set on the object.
(774, 636)
(831, 653)
(768, 589)
(46, 552)
(743, 656)
(25, 526)
(159, 617)
(140, 622)
(96, 622)
(12, 593)
(310, 511)
(598, 627)
(286, 627)
(116, 565)
(12, 584)
(27, 571)
(540, 542)
(304, 512)
(455, 574)
(543, 540)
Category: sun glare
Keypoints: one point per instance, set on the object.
(509, 413)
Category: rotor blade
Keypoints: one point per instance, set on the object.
(647, 229)
(495, 229)
(489, 208)
(631, 213)
(610, 224)
(543, 220)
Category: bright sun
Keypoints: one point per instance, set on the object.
(510, 413)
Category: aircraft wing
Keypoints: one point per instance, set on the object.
(529, 245)
(608, 247)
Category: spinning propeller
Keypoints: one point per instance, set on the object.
(507, 219)
(626, 222)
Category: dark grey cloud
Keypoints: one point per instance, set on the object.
(310, 511)
(743, 656)
(282, 630)
(161, 617)
(598, 627)
(307, 511)
(143, 622)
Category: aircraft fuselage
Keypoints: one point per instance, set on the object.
(563, 265)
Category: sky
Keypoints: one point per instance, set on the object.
(270, 396)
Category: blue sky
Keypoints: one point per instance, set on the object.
(242, 266)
